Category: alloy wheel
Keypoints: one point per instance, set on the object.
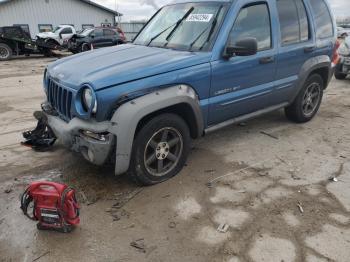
(311, 99)
(163, 151)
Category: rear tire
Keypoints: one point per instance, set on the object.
(160, 150)
(308, 101)
(5, 52)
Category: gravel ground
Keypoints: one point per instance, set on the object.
(275, 192)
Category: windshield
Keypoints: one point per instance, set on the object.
(190, 26)
(56, 29)
(86, 32)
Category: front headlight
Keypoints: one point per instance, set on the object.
(88, 100)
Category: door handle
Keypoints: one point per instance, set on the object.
(266, 60)
(309, 49)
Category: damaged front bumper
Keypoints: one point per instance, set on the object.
(93, 139)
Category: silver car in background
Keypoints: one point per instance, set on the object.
(342, 70)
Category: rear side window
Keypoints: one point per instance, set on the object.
(323, 19)
(108, 32)
(294, 22)
(253, 21)
(303, 21)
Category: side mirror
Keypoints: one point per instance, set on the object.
(92, 35)
(245, 47)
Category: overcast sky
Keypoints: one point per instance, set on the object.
(143, 9)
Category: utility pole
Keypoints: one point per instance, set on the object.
(116, 9)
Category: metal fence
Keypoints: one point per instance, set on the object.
(131, 29)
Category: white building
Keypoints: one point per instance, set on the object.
(44, 15)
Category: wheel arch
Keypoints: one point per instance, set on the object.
(10, 44)
(321, 65)
(323, 72)
(183, 110)
(129, 118)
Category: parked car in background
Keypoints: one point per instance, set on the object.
(342, 69)
(60, 35)
(96, 38)
(14, 41)
(194, 68)
(342, 32)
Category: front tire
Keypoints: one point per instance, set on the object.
(85, 47)
(160, 150)
(308, 101)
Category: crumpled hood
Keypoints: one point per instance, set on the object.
(46, 35)
(119, 64)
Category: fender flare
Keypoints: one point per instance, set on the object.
(309, 66)
(126, 118)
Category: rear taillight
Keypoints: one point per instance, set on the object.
(336, 56)
(123, 36)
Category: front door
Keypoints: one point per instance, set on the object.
(98, 38)
(66, 34)
(242, 85)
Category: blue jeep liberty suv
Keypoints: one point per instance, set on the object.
(196, 66)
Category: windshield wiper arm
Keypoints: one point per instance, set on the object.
(159, 34)
(212, 27)
(199, 36)
(178, 23)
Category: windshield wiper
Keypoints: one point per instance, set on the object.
(212, 27)
(199, 36)
(178, 23)
(159, 34)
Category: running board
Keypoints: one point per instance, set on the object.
(244, 117)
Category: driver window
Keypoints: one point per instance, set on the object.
(252, 21)
(67, 31)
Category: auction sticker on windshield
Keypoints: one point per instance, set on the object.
(199, 18)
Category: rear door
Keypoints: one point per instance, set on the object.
(241, 85)
(296, 46)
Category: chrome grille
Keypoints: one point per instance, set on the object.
(60, 99)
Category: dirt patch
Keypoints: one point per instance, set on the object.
(5, 108)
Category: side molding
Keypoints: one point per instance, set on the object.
(126, 118)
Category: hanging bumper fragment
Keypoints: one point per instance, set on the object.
(42, 137)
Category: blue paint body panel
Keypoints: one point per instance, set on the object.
(226, 88)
